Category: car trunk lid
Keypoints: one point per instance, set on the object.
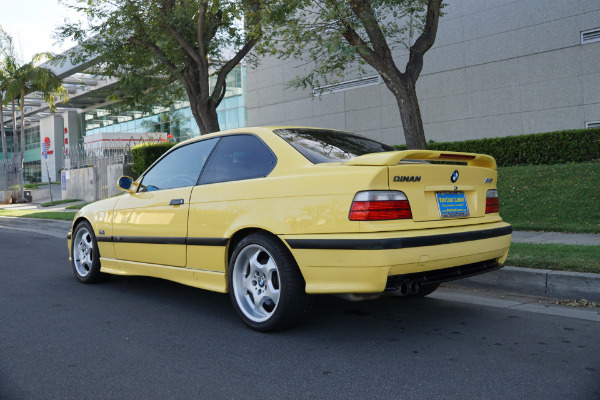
(438, 191)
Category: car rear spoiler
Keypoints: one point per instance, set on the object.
(392, 158)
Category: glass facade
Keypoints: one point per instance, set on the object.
(176, 120)
(9, 144)
(32, 169)
(32, 139)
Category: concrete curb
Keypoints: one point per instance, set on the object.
(588, 239)
(537, 282)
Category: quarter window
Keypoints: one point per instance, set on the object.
(180, 168)
(238, 157)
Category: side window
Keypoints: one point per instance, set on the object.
(179, 168)
(238, 157)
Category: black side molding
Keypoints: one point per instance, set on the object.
(165, 240)
(397, 243)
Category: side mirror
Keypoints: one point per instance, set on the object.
(126, 183)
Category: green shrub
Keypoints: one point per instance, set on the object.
(541, 148)
(145, 154)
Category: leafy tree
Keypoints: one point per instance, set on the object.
(156, 48)
(338, 35)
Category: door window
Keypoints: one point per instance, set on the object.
(179, 168)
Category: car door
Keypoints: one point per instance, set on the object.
(150, 226)
(226, 190)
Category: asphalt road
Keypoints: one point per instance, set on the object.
(142, 338)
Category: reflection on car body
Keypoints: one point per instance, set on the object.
(272, 215)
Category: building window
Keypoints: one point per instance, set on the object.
(592, 124)
(590, 36)
(347, 85)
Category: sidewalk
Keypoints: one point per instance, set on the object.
(38, 206)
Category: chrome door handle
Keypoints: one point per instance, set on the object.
(176, 202)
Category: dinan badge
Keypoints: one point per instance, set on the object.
(407, 178)
(454, 176)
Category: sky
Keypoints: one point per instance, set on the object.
(32, 24)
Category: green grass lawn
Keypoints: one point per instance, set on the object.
(555, 198)
(557, 257)
(58, 202)
(77, 206)
(61, 215)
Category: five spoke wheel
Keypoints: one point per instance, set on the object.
(83, 251)
(256, 283)
(265, 284)
(85, 255)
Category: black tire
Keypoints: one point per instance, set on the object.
(265, 285)
(424, 290)
(85, 257)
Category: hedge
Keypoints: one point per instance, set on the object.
(145, 154)
(579, 145)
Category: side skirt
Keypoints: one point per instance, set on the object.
(209, 280)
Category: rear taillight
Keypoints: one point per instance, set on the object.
(491, 202)
(380, 205)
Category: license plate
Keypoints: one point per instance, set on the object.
(452, 204)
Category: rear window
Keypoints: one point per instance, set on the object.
(323, 145)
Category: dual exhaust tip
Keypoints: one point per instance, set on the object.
(404, 288)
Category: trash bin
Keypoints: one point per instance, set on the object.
(27, 194)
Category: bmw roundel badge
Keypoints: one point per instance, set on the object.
(454, 176)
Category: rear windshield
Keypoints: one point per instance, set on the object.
(323, 145)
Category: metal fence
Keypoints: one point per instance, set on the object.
(82, 156)
(99, 158)
(10, 181)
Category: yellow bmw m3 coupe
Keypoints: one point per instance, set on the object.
(272, 215)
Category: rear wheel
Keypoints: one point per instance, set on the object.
(266, 286)
(85, 255)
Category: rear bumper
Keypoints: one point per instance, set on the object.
(437, 276)
(364, 262)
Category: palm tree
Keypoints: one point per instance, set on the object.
(29, 78)
(7, 49)
(7, 69)
(3, 77)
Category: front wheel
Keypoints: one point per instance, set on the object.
(266, 286)
(85, 255)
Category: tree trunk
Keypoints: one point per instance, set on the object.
(205, 115)
(14, 121)
(4, 149)
(22, 158)
(410, 113)
(404, 90)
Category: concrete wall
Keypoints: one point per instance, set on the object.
(40, 194)
(114, 173)
(82, 183)
(498, 68)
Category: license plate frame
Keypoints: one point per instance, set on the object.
(452, 204)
